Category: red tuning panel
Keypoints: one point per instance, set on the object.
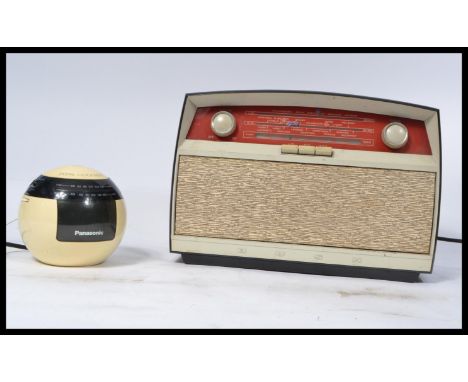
(340, 129)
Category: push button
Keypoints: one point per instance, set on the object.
(324, 151)
(289, 149)
(307, 150)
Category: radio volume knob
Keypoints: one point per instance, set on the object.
(395, 135)
(223, 123)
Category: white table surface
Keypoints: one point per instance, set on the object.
(142, 285)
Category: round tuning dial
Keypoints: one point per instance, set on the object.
(395, 135)
(223, 123)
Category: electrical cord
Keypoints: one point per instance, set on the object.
(14, 245)
(449, 239)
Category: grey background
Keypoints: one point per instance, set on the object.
(119, 113)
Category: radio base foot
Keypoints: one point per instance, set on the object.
(301, 267)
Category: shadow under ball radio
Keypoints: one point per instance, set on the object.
(307, 182)
(72, 216)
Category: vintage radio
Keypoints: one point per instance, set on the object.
(307, 182)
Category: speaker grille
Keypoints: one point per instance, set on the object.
(297, 203)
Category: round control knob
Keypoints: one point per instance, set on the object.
(223, 123)
(395, 135)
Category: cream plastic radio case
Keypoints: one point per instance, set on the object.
(307, 182)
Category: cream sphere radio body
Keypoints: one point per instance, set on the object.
(72, 216)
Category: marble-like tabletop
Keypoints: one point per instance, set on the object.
(145, 288)
(142, 285)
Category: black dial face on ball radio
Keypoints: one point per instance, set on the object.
(86, 209)
(86, 221)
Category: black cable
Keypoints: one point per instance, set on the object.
(449, 239)
(14, 245)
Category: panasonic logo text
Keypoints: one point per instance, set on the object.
(89, 233)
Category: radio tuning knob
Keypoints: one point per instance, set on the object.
(395, 135)
(223, 123)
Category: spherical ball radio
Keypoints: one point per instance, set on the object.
(72, 216)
